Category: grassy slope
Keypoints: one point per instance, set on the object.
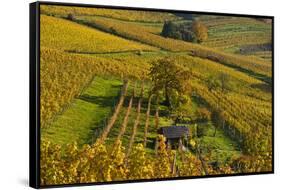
(221, 145)
(85, 114)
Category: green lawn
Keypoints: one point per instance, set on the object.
(222, 148)
(86, 113)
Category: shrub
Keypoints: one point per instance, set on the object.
(200, 30)
(189, 36)
(202, 130)
(70, 17)
(203, 114)
(169, 30)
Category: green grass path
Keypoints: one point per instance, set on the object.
(85, 114)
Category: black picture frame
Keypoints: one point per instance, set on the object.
(34, 92)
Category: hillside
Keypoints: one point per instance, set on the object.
(62, 34)
(110, 81)
(255, 66)
(127, 15)
(245, 36)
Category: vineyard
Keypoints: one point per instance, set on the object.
(140, 16)
(232, 34)
(134, 32)
(105, 96)
(69, 36)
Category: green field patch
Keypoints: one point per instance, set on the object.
(218, 146)
(85, 114)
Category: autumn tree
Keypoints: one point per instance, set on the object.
(70, 17)
(170, 30)
(203, 114)
(218, 118)
(200, 30)
(178, 31)
(166, 75)
(180, 111)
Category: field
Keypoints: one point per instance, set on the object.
(111, 84)
(140, 16)
(65, 35)
(240, 35)
(258, 67)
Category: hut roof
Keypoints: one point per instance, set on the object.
(173, 131)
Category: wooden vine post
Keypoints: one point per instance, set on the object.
(136, 123)
(147, 120)
(116, 112)
(125, 120)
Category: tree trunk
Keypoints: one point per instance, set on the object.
(136, 123)
(167, 97)
(125, 120)
(147, 120)
(174, 164)
(157, 112)
(215, 131)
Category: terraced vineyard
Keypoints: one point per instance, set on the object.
(127, 15)
(134, 32)
(65, 35)
(240, 35)
(105, 96)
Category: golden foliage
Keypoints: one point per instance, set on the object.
(128, 15)
(139, 164)
(60, 81)
(164, 159)
(96, 163)
(57, 33)
(200, 30)
(134, 32)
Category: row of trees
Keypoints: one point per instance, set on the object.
(196, 32)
